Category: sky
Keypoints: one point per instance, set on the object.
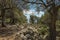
(32, 12)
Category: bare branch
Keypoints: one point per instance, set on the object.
(31, 2)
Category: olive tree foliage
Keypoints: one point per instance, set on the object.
(9, 11)
(52, 6)
(5, 5)
(34, 19)
(21, 4)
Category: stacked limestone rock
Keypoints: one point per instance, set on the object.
(29, 33)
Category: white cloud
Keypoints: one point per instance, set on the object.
(33, 12)
(27, 13)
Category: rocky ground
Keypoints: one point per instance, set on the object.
(21, 32)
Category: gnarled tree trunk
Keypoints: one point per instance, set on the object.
(52, 25)
(3, 17)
